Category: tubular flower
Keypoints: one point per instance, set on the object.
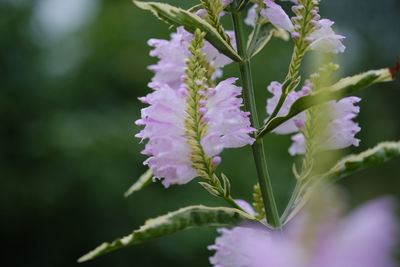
(291, 125)
(365, 238)
(251, 16)
(339, 129)
(164, 125)
(316, 32)
(276, 15)
(172, 55)
(324, 38)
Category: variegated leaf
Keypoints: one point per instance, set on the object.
(185, 218)
(144, 180)
(342, 88)
(381, 153)
(180, 17)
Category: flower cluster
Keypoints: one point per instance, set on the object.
(317, 32)
(307, 25)
(365, 238)
(184, 108)
(172, 54)
(339, 129)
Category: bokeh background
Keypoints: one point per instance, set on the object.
(71, 72)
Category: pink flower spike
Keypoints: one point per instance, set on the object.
(172, 54)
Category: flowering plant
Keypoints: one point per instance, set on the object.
(192, 116)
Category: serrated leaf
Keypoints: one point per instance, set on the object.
(185, 218)
(344, 87)
(180, 17)
(144, 180)
(381, 153)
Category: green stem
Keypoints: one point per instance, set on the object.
(250, 104)
(232, 202)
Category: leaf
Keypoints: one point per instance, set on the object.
(242, 5)
(381, 153)
(144, 180)
(185, 218)
(259, 37)
(191, 22)
(343, 87)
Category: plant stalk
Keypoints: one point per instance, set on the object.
(250, 104)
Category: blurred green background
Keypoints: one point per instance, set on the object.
(71, 72)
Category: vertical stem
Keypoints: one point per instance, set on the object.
(250, 104)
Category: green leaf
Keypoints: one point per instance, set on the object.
(344, 87)
(191, 22)
(144, 180)
(185, 218)
(381, 153)
(261, 35)
(242, 5)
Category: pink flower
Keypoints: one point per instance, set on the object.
(168, 151)
(251, 16)
(276, 15)
(163, 120)
(276, 89)
(228, 126)
(339, 131)
(172, 56)
(324, 38)
(365, 238)
(226, 2)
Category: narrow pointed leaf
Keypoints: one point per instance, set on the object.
(342, 88)
(242, 5)
(180, 17)
(144, 180)
(185, 218)
(260, 36)
(380, 154)
(377, 155)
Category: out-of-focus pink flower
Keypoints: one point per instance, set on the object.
(163, 121)
(365, 238)
(251, 16)
(226, 2)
